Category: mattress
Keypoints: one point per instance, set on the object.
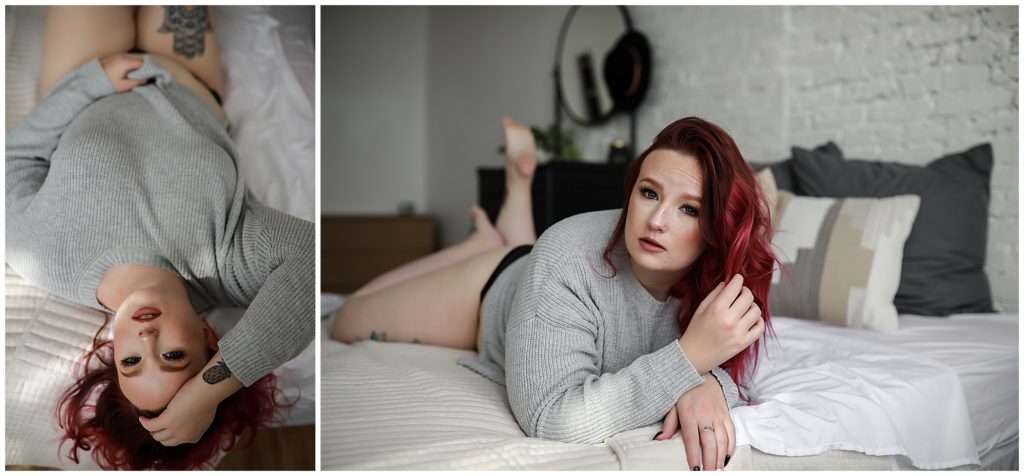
(269, 63)
(406, 406)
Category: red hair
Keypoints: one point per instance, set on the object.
(109, 425)
(734, 222)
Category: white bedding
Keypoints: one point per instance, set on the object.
(269, 61)
(399, 406)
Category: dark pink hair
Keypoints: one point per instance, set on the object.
(734, 221)
(97, 417)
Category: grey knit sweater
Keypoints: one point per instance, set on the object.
(149, 176)
(583, 356)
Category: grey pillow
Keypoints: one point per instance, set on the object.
(944, 257)
(782, 171)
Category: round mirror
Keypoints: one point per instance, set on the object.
(588, 34)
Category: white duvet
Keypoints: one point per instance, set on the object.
(818, 388)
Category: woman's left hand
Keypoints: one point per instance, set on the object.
(186, 417)
(697, 410)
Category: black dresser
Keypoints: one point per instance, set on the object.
(560, 190)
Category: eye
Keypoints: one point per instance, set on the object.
(130, 361)
(648, 193)
(173, 356)
(689, 210)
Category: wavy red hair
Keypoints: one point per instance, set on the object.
(97, 417)
(735, 223)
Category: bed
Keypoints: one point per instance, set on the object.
(269, 61)
(407, 406)
(852, 380)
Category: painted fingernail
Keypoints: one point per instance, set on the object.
(727, 459)
(656, 436)
(696, 468)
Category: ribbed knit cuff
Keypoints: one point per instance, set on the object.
(95, 82)
(677, 373)
(732, 393)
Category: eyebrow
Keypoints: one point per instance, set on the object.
(659, 185)
(165, 368)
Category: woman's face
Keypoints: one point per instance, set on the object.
(662, 230)
(159, 343)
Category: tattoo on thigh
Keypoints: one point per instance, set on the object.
(188, 24)
(216, 373)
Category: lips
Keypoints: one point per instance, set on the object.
(146, 311)
(652, 245)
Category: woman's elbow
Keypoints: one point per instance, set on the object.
(560, 426)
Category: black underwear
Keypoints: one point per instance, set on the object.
(511, 257)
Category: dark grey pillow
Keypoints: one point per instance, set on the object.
(944, 257)
(782, 172)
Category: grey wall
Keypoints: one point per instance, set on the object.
(373, 108)
(904, 84)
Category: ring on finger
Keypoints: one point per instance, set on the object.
(707, 428)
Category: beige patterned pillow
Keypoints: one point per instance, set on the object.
(843, 257)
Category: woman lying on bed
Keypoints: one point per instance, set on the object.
(613, 320)
(123, 194)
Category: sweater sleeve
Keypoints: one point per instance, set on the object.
(554, 383)
(278, 260)
(33, 140)
(729, 388)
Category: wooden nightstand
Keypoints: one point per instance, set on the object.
(560, 190)
(356, 249)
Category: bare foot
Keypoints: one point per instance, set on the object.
(484, 232)
(520, 153)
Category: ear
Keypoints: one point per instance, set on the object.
(210, 335)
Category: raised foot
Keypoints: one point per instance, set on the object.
(520, 149)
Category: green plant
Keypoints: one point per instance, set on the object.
(546, 138)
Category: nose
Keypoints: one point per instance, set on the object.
(148, 333)
(657, 220)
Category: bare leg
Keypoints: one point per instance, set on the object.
(441, 307)
(186, 34)
(74, 35)
(484, 239)
(515, 220)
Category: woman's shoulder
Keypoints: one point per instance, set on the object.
(577, 241)
(590, 230)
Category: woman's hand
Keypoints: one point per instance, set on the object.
(700, 408)
(117, 68)
(726, 322)
(186, 417)
(192, 409)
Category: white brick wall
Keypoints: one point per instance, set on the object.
(905, 84)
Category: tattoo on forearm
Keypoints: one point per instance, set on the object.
(188, 24)
(216, 373)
